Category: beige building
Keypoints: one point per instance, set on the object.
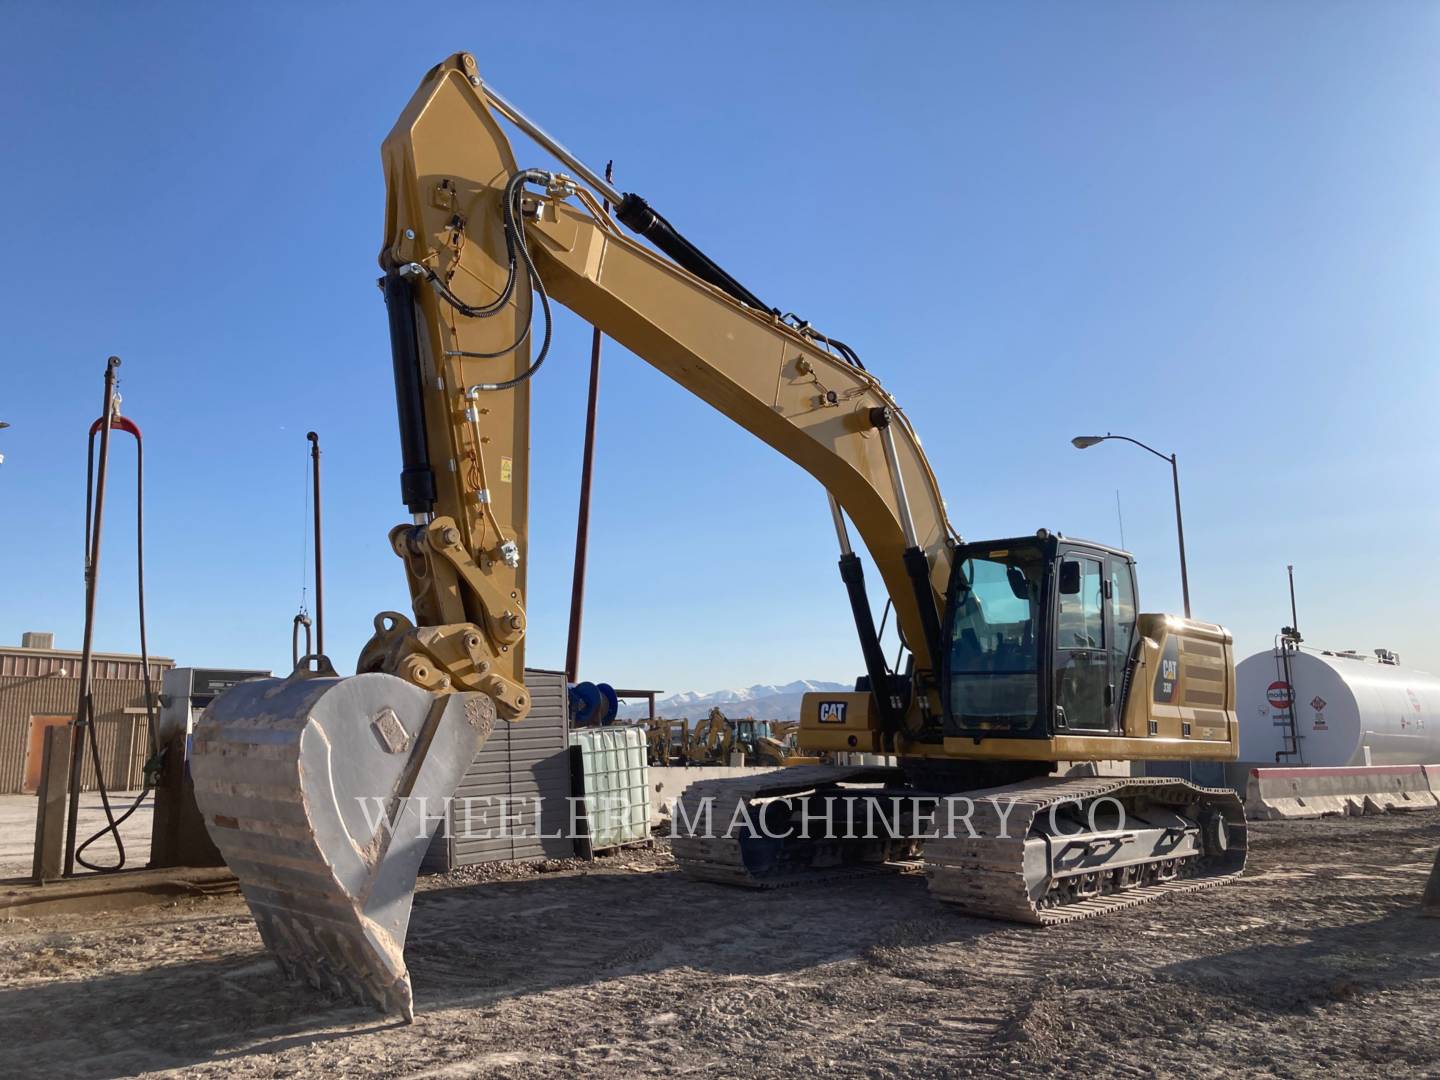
(40, 685)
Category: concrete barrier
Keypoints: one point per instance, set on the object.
(1354, 790)
(667, 782)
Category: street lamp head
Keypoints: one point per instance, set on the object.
(4, 424)
(1083, 442)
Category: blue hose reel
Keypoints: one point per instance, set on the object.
(593, 704)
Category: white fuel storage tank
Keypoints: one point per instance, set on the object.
(1333, 708)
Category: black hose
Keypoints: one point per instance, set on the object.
(152, 765)
(486, 310)
(850, 355)
(515, 242)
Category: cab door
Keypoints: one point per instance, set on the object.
(1120, 607)
(1084, 700)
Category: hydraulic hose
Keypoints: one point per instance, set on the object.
(515, 244)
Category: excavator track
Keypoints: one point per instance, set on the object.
(1023, 853)
(736, 856)
(1028, 864)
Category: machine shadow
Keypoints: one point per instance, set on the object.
(166, 1017)
(1331, 964)
(468, 945)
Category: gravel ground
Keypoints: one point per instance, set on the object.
(1316, 963)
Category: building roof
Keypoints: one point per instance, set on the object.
(18, 660)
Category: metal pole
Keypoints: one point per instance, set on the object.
(1180, 531)
(319, 560)
(840, 530)
(582, 522)
(1294, 619)
(897, 481)
(1083, 442)
(92, 575)
(549, 142)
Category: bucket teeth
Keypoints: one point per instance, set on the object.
(322, 795)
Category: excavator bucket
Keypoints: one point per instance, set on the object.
(322, 794)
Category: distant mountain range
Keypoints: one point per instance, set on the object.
(763, 701)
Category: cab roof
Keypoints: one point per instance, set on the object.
(1045, 536)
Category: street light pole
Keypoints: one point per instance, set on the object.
(582, 517)
(1084, 442)
(1180, 532)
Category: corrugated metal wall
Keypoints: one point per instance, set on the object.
(29, 686)
(524, 762)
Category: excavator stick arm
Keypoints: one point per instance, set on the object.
(451, 180)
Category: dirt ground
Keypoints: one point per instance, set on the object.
(1316, 963)
(17, 830)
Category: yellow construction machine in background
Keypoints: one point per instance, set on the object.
(717, 740)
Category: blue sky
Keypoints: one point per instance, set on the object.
(1212, 227)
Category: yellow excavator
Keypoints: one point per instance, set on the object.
(766, 742)
(711, 740)
(667, 741)
(1028, 661)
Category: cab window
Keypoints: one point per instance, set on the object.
(993, 658)
(1122, 600)
(1080, 622)
(1081, 665)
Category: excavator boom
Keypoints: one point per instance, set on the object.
(475, 249)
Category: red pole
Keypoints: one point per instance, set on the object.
(84, 709)
(582, 524)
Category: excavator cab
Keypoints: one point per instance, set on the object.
(1043, 641)
(749, 731)
(1040, 637)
